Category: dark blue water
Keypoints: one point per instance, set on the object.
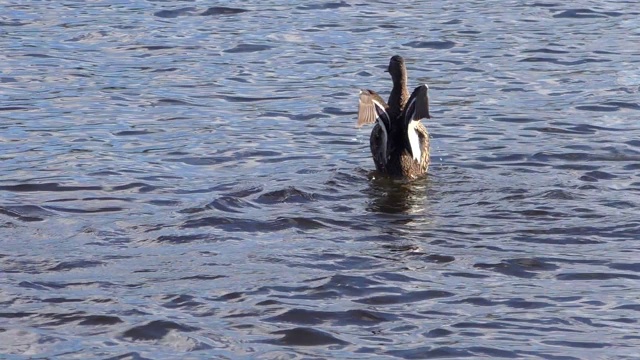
(184, 180)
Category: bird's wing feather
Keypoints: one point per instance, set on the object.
(370, 108)
(421, 105)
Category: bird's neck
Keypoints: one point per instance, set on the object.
(399, 95)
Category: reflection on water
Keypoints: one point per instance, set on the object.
(390, 196)
(185, 181)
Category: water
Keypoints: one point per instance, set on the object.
(185, 181)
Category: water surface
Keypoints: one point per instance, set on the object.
(184, 180)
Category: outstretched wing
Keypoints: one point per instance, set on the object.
(418, 105)
(417, 109)
(371, 108)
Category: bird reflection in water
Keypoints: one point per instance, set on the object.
(400, 210)
(396, 196)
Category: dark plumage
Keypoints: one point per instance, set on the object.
(399, 141)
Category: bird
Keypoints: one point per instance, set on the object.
(399, 141)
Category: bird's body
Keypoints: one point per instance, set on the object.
(399, 141)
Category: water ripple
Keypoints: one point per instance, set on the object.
(586, 13)
(185, 181)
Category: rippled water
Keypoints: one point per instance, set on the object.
(185, 181)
